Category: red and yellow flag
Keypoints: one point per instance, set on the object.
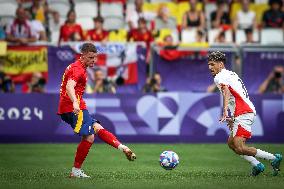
(22, 61)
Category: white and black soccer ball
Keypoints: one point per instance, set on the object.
(169, 160)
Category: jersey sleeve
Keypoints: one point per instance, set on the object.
(222, 79)
(74, 74)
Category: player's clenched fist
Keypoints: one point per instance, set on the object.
(76, 108)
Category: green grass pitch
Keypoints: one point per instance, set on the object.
(40, 166)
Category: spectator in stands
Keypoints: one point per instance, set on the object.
(101, 84)
(163, 19)
(71, 31)
(98, 33)
(193, 17)
(37, 27)
(249, 36)
(274, 83)
(54, 27)
(20, 31)
(274, 17)
(6, 84)
(35, 85)
(245, 18)
(133, 15)
(40, 11)
(154, 84)
(141, 34)
(55, 24)
(220, 17)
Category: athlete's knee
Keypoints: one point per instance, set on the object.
(89, 138)
(97, 127)
(239, 150)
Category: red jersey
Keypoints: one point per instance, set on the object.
(137, 35)
(94, 36)
(76, 72)
(68, 32)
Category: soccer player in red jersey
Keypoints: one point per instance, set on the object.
(72, 110)
(236, 99)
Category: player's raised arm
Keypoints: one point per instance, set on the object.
(226, 96)
(70, 88)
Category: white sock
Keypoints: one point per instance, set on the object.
(122, 147)
(264, 155)
(250, 159)
(74, 169)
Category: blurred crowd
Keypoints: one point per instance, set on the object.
(140, 20)
(168, 23)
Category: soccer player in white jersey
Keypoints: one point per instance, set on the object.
(236, 100)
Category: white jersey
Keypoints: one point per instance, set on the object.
(239, 102)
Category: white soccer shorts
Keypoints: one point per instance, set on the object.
(242, 125)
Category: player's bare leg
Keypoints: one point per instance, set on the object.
(110, 139)
(257, 166)
(243, 149)
(230, 143)
(81, 154)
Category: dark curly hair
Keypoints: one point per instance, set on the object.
(217, 56)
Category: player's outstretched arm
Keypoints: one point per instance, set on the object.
(226, 96)
(70, 88)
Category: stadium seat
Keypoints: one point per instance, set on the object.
(61, 7)
(261, 1)
(5, 20)
(153, 7)
(130, 6)
(86, 8)
(165, 32)
(259, 9)
(86, 22)
(118, 36)
(209, 8)
(271, 36)
(241, 36)
(25, 4)
(213, 33)
(229, 36)
(111, 9)
(56, 1)
(159, 1)
(188, 35)
(235, 7)
(150, 7)
(114, 23)
(8, 8)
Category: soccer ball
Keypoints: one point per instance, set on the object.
(169, 160)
